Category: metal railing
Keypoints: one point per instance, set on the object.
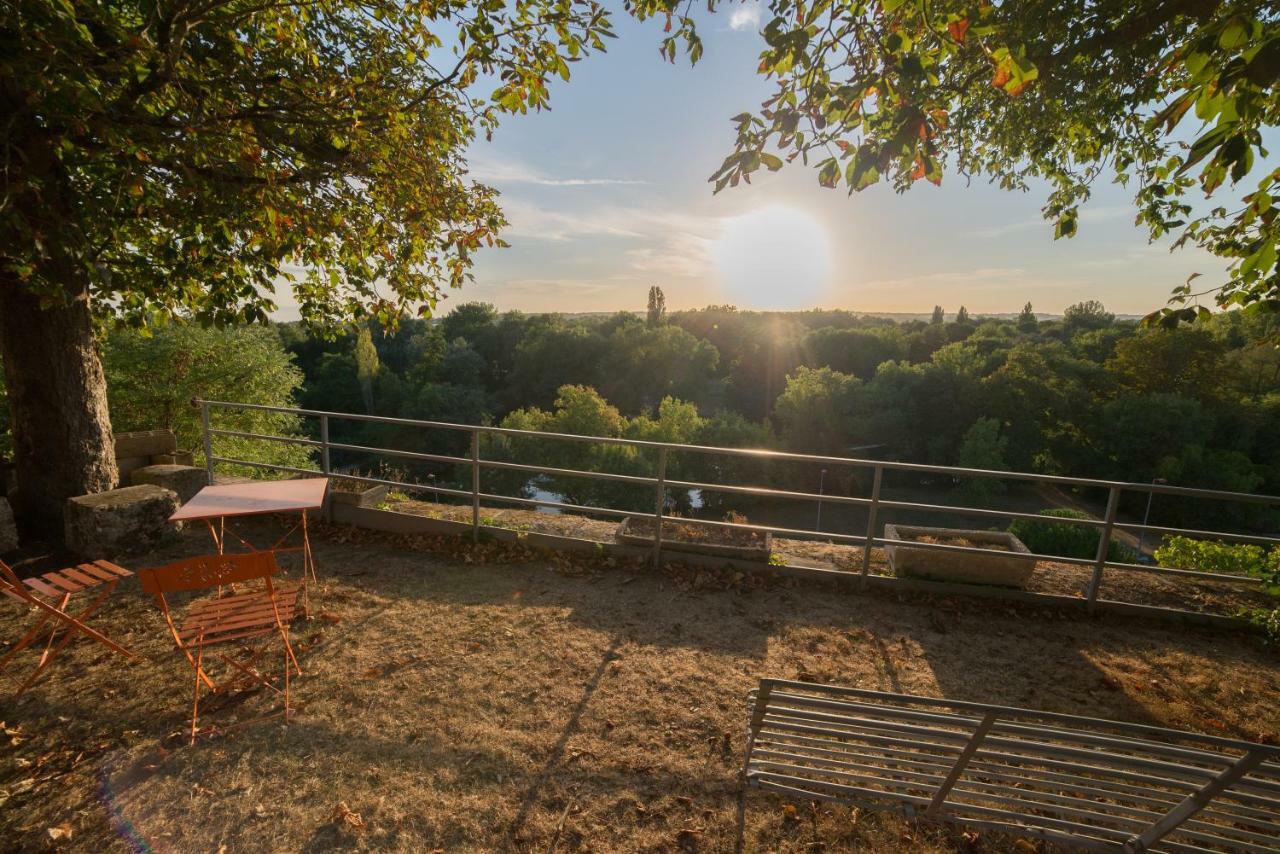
(1086, 783)
(875, 502)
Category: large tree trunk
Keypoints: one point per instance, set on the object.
(58, 403)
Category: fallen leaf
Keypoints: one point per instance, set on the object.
(344, 817)
(59, 833)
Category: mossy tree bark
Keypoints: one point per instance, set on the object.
(58, 403)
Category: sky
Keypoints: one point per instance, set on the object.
(607, 194)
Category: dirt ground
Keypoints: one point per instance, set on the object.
(487, 698)
(1222, 597)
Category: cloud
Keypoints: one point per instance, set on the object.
(513, 172)
(979, 278)
(745, 17)
(1088, 214)
(669, 242)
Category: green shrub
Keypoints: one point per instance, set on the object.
(1063, 539)
(1268, 622)
(1217, 556)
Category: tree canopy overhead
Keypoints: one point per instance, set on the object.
(1170, 96)
(185, 155)
(184, 158)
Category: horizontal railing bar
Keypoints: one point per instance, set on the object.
(772, 529)
(402, 484)
(986, 512)
(269, 466)
(557, 472)
(768, 492)
(1152, 569)
(538, 502)
(392, 452)
(1202, 535)
(784, 532)
(289, 440)
(952, 471)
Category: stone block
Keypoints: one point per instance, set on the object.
(186, 481)
(177, 458)
(118, 521)
(126, 466)
(145, 443)
(8, 528)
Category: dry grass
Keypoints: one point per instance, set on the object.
(480, 700)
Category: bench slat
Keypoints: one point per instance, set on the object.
(1084, 782)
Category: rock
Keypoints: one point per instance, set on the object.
(106, 524)
(145, 443)
(177, 458)
(8, 529)
(186, 481)
(126, 466)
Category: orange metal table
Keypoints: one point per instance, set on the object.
(259, 498)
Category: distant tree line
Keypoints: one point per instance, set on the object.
(1085, 394)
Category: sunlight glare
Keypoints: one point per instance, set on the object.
(775, 257)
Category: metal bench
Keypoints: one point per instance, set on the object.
(1090, 784)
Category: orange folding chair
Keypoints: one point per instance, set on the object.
(241, 617)
(48, 597)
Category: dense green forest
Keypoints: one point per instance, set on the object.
(1084, 394)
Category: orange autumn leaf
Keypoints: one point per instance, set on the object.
(958, 29)
(1001, 77)
(918, 172)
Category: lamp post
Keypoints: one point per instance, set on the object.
(822, 479)
(1142, 537)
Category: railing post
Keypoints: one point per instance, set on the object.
(208, 440)
(325, 464)
(872, 511)
(962, 761)
(475, 485)
(1104, 545)
(324, 445)
(660, 505)
(1193, 803)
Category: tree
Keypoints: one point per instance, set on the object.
(366, 365)
(854, 351)
(472, 321)
(982, 448)
(962, 316)
(1027, 320)
(896, 90)
(152, 378)
(938, 315)
(182, 158)
(1188, 361)
(657, 306)
(1089, 314)
(815, 410)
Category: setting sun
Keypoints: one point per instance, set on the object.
(773, 257)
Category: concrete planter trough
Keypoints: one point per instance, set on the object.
(359, 494)
(1009, 563)
(638, 531)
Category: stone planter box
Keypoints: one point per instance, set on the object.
(365, 496)
(1009, 566)
(628, 535)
